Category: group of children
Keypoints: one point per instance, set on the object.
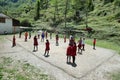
(71, 49)
(47, 44)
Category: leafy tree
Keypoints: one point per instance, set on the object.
(107, 1)
(117, 2)
(37, 10)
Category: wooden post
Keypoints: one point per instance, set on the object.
(14, 30)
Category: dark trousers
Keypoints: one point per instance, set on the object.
(93, 46)
(73, 59)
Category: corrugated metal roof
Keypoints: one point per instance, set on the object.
(3, 15)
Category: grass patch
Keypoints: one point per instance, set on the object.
(2, 38)
(18, 70)
(105, 44)
(116, 76)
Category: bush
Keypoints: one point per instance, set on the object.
(25, 23)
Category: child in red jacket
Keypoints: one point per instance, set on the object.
(26, 35)
(35, 43)
(73, 54)
(47, 44)
(68, 53)
(94, 43)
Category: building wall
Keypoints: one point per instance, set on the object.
(7, 26)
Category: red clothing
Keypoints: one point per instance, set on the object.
(47, 46)
(35, 41)
(94, 41)
(57, 37)
(69, 51)
(26, 35)
(74, 48)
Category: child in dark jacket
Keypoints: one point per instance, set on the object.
(14, 41)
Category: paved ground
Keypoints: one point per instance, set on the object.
(92, 65)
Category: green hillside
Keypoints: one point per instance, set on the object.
(103, 16)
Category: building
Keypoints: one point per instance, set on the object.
(8, 24)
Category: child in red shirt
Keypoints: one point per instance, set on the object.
(74, 49)
(47, 44)
(26, 35)
(35, 43)
(94, 43)
(68, 53)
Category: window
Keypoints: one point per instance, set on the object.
(2, 20)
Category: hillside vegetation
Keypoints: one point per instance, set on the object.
(103, 16)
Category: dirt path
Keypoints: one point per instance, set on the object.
(92, 65)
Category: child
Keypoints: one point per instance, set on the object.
(94, 43)
(38, 34)
(42, 36)
(68, 53)
(74, 49)
(80, 45)
(29, 35)
(71, 41)
(14, 41)
(47, 47)
(35, 43)
(26, 35)
(57, 38)
(83, 44)
(20, 33)
(50, 35)
(64, 38)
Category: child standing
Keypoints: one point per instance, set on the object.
(35, 43)
(20, 33)
(68, 53)
(83, 44)
(42, 36)
(29, 34)
(57, 38)
(14, 41)
(71, 41)
(74, 49)
(26, 35)
(80, 45)
(47, 48)
(64, 38)
(50, 35)
(94, 43)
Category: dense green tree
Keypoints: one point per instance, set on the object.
(37, 10)
(107, 1)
